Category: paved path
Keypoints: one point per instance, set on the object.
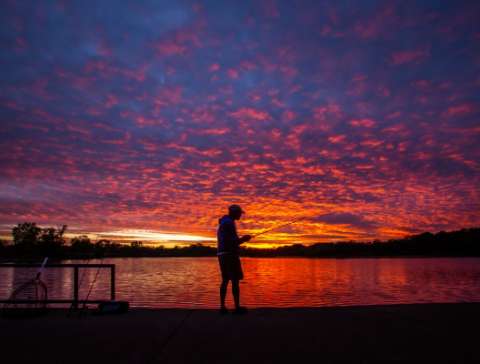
(429, 333)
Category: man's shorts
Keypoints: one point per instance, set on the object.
(230, 267)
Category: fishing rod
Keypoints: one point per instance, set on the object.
(277, 227)
(74, 304)
(84, 307)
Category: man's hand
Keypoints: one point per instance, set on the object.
(245, 238)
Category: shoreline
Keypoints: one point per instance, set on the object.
(24, 259)
(400, 333)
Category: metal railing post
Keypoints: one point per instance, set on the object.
(75, 287)
(112, 282)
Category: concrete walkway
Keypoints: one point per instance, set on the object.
(428, 333)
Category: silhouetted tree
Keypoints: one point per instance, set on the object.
(26, 235)
(99, 247)
(136, 244)
(51, 241)
(81, 244)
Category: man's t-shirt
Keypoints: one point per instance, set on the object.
(227, 237)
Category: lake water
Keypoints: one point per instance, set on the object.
(269, 282)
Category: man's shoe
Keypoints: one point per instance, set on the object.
(240, 310)
(223, 311)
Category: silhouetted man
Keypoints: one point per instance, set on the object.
(228, 256)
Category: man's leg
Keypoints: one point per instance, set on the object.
(223, 292)
(236, 292)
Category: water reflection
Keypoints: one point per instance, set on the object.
(273, 282)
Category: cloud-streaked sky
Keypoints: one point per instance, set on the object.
(362, 116)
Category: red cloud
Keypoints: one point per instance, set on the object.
(178, 42)
(248, 66)
(402, 57)
(218, 131)
(421, 84)
(371, 143)
(112, 100)
(20, 44)
(288, 115)
(141, 121)
(233, 74)
(376, 25)
(366, 123)
(322, 112)
(214, 67)
(325, 116)
(336, 138)
(367, 30)
(459, 110)
(250, 113)
(169, 96)
(359, 77)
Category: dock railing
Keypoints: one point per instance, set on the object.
(75, 294)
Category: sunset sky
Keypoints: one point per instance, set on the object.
(146, 119)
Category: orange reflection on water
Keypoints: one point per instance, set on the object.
(272, 282)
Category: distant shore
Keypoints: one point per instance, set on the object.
(34, 260)
(418, 333)
(31, 241)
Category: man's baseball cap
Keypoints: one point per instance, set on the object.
(235, 208)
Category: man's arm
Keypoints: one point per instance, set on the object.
(232, 233)
(244, 239)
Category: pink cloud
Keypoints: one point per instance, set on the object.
(459, 110)
(233, 74)
(288, 115)
(214, 67)
(367, 30)
(248, 66)
(179, 42)
(378, 24)
(359, 77)
(366, 123)
(337, 138)
(20, 44)
(142, 121)
(409, 56)
(216, 131)
(112, 100)
(168, 96)
(372, 143)
(250, 113)
(331, 109)
(383, 91)
(421, 84)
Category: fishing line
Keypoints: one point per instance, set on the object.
(172, 334)
(82, 277)
(91, 286)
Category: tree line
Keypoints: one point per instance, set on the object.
(30, 240)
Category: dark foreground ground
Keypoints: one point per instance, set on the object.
(427, 333)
